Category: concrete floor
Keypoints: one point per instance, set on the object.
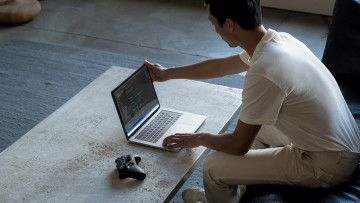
(169, 31)
(176, 31)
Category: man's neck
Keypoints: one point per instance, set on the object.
(252, 39)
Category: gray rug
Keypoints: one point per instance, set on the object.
(36, 79)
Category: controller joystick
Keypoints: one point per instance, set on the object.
(128, 167)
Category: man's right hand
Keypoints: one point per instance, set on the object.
(157, 72)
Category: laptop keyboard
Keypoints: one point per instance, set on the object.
(157, 127)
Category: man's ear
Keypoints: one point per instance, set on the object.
(230, 24)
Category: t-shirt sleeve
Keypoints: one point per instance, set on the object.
(261, 101)
(244, 56)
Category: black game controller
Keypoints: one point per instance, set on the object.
(128, 167)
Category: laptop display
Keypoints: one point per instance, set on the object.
(136, 100)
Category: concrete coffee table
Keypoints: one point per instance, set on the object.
(69, 156)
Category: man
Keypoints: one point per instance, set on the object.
(290, 102)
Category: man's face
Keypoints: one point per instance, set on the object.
(223, 31)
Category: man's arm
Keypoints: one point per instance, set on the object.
(237, 143)
(211, 68)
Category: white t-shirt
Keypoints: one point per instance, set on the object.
(289, 88)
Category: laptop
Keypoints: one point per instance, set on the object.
(143, 120)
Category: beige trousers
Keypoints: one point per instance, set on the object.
(286, 165)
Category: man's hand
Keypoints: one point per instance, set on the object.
(179, 140)
(236, 143)
(157, 72)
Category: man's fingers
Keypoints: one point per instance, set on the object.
(173, 146)
(172, 139)
(146, 62)
(176, 139)
(149, 65)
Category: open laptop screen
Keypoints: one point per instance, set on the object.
(135, 100)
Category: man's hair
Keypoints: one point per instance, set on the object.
(247, 13)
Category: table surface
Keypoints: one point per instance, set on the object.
(70, 155)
